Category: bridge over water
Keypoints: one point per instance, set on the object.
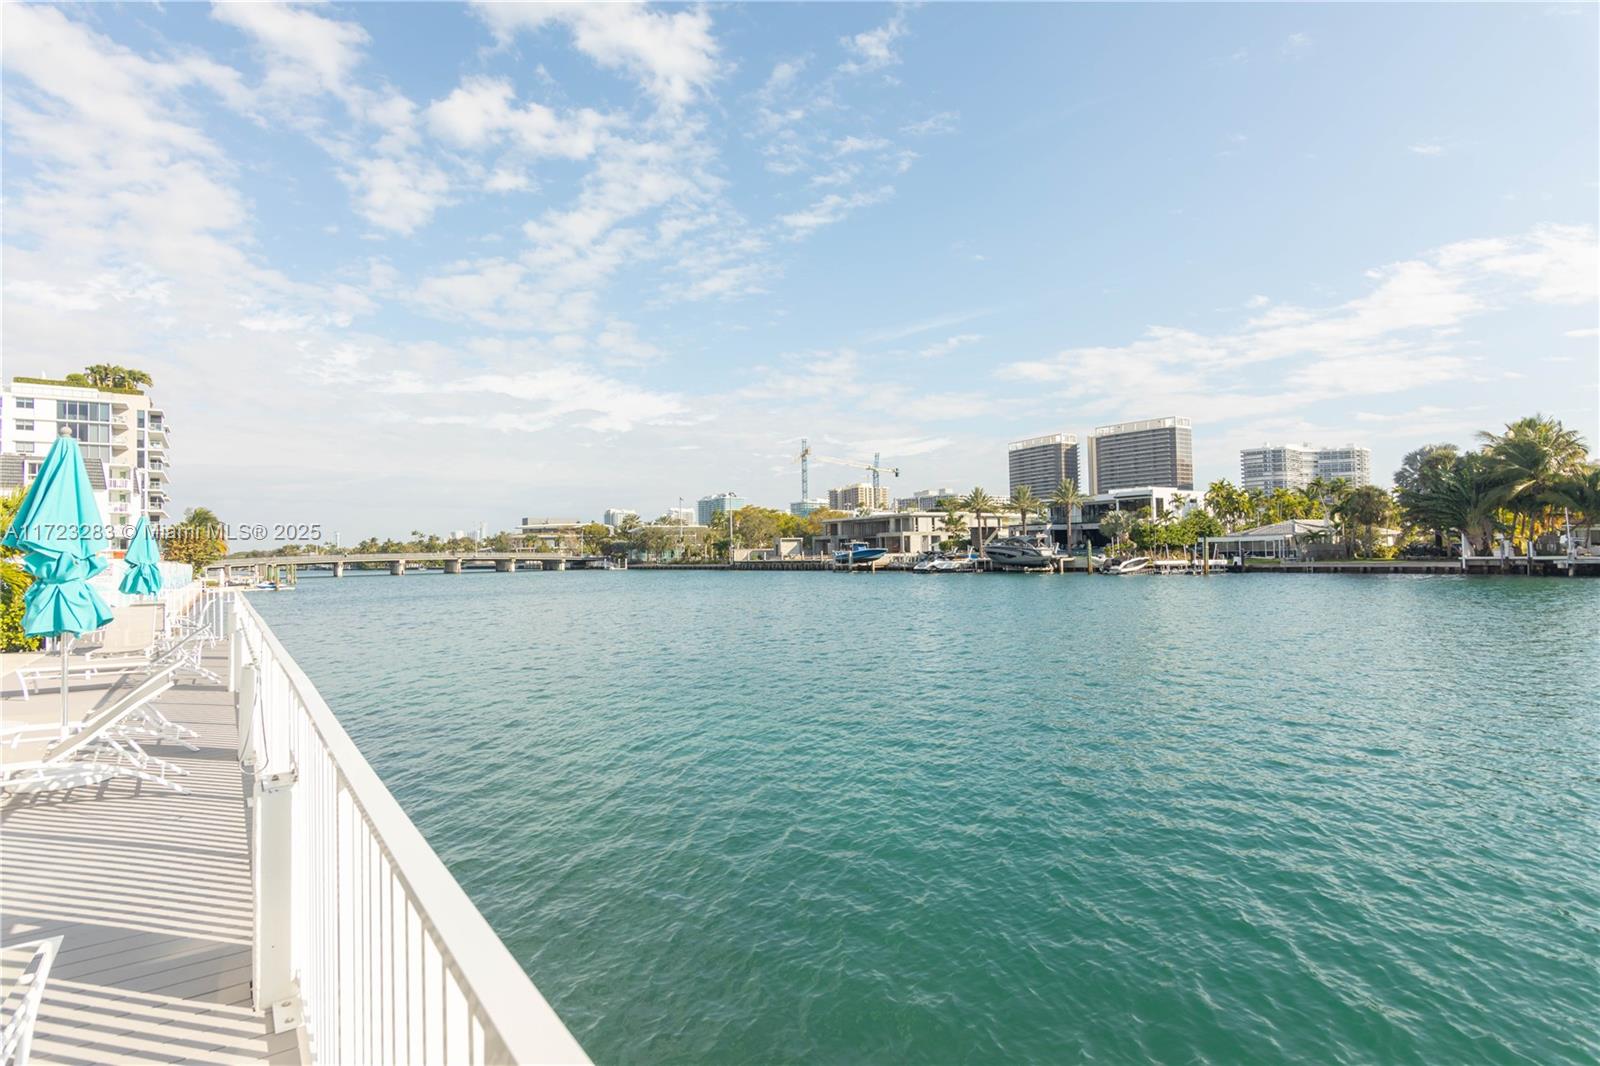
(397, 562)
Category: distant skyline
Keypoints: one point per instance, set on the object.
(402, 266)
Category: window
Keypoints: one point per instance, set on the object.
(24, 447)
(24, 403)
(24, 427)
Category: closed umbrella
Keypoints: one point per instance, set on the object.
(58, 528)
(144, 563)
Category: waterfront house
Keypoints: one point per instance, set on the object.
(1155, 501)
(1291, 539)
(900, 532)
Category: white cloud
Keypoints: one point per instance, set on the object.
(949, 344)
(1399, 336)
(832, 208)
(1427, 148)
(563, 393)
(874, 49)
(1582, 333)
(481, 111)
(304, 52)
(943, 122)
(852, 144)
(672, 54)
(397, 194)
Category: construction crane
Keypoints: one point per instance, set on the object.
(806, 455)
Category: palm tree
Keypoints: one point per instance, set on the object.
(1531, 462)
(1114, 526)
(1458, 496)
(954, 524)
(1067, 497)
(1025, 502)
(980, 503)
(1366, 507)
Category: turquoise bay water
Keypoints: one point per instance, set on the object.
(759, 818)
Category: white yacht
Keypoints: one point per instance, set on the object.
(1028, 553)
(1137, 565)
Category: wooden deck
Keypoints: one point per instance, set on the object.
(150, 890)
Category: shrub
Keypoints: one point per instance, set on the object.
(14, 582)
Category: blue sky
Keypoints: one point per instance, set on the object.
(426, 265)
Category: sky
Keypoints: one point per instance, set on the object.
(425, 266)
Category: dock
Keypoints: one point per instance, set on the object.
(283, 908)
(150, 892)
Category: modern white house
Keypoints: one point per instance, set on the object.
(901, 532)
(122, 435)
(551, 533)
(1155, 500)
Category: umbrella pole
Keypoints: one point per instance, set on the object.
(63, 640)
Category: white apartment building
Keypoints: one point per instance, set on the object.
(862, 497)
(1294, 466)
(615, 516)
(928, 499)
(123, 437)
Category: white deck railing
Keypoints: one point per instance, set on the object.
(362, 934)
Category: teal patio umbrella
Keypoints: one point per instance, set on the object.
(59, 530)
(144, 562)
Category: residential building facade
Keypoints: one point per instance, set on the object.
(1349, 461)
(1155, 451)
(801, 508)
(1043, 463)
(552, 534)
(1294, 466)
(122, 435)
(614, 516)
(722, 502)
(928, 499)
(1156, 501)
(900, 532)
(862, 497)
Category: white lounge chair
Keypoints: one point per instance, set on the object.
(104, 746)
(88, 669)
(16, 1035)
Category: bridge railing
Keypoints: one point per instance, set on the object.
(362, 934)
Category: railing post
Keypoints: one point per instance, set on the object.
(272, 985)
(245, 714)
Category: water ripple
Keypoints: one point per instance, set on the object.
(736, 818)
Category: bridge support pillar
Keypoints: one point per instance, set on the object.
(505, 566)
(398, 567)
(561, 564)
(452, 566)
(338, 570)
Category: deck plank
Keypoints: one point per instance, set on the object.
(150, 891)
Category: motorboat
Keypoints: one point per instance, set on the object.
(955, 563)
(1028, 553)
(858, 553)
(1136, 565)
